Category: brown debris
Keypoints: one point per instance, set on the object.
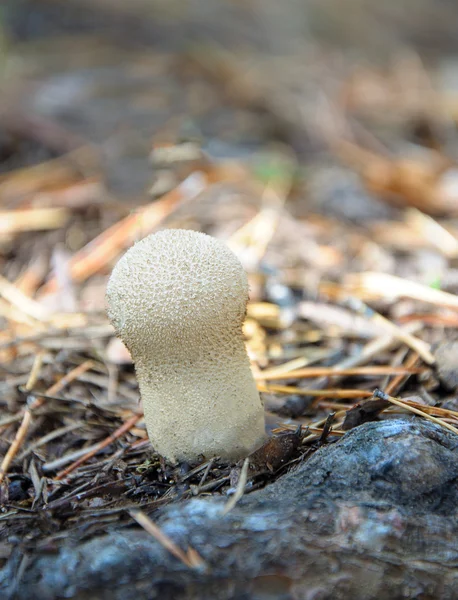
(364, 413)
(274, 453)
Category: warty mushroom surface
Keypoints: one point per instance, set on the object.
(178, 299)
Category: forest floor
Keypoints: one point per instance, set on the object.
(333, 178)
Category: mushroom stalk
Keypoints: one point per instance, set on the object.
(178, 300)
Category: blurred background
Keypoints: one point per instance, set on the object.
(317, 138)
(299, 133)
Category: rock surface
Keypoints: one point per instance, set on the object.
(373, 516)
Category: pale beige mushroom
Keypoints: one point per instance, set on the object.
(178, 300)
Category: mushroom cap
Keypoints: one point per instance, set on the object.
(177, 280)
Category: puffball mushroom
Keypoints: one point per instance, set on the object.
(178, 299)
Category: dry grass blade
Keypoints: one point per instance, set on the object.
(382, 285)
(312, 372)
(417, 411)
(436, 411)
(70, 457)
(75, 195)
(190, 558)
(376, 347)
(33, 219)
(14, 315)
(338, 393)
(28, 181)
(431, 319)
(258, 233)
(23, 303)
(403, 334)
(321, 430)
(286, 368)
(419, 346)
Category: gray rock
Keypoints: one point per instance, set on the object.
(373, 516)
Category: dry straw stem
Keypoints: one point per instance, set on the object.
(287, 367)
(422, 413)
(75, 195)
(256, 234)
(288, 389)
(27, 418)
(240, 487)
(103, 444)
(419, 346)
(57, 463)
(32, 219)
(332, 371)
(430, 410)
(23, 303)
(52, 435)
(13, 314)
(28, 181)
(342, 292)
(374, 348)
(433, 410)
(320, 430)
(191, 558)
(107, 246)
(382, 285)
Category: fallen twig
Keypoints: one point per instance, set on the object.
(27, 418)
(240, 487)
(421, 413)
(312, 372)
(338, 393)
(103, 444)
